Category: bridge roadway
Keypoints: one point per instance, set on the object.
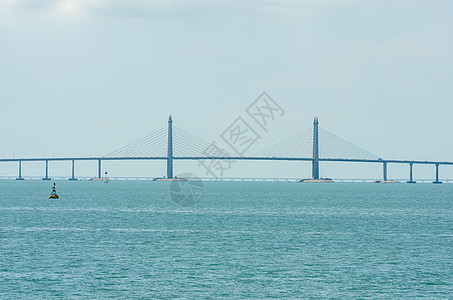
(396, 161)
(100, 159)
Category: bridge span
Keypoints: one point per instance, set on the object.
(194, 143)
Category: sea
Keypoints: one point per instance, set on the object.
(238, 240)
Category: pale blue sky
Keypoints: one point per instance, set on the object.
(81, 78)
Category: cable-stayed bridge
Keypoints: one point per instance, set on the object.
(172, 143)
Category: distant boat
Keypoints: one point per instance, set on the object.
(53, 195)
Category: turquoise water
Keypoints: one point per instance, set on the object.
(242, 240)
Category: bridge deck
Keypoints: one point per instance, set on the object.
(396, 161)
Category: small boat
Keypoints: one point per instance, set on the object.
(53, 195)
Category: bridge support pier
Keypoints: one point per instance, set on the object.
(384, 166)
(72, 177)
(410, 173)
(20, 171)
(437, 175)
(47, 171)
(99, 168)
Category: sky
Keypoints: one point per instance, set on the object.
(83, 78)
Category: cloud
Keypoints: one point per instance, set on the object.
(156, 8)
(150, 8)
(281, 11)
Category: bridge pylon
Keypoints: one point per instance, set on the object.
(315, 164)
(170, 149)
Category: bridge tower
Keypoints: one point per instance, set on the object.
(170, 149)
(315, 166)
